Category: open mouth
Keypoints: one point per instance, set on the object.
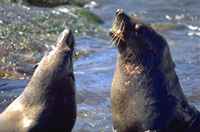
(116, 32)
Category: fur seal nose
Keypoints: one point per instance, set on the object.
(66, 31)
(119, 10)
(64, 35)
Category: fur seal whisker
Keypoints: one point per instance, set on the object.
(117, 33)
(114, 41)
(118, 41)
(115, 37)
(119, 25)
(112, 44)
(111, 39)
(113, 23)
(123, 26)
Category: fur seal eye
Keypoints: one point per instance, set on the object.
(36, 65)
(138, 28)
(68, 52)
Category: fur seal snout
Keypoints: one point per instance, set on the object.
(48, 102)
(146, 94)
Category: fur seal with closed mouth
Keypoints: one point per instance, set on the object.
(145, 93)
(48, 103)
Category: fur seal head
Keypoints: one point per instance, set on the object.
(136, 39)
(59, 55)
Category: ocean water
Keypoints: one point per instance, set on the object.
(177, 20)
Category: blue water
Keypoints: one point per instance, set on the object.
(94, 71)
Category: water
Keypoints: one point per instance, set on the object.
(177, 20)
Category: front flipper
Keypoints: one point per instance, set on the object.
(195, 127)
(36, 65)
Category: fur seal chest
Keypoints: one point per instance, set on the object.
(48, 102)
(145, 93)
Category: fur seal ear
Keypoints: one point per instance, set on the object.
(36, 65)
(138, 28)
(72, 76)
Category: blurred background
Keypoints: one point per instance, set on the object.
(28, 27)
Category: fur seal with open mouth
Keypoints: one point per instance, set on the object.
(48, 103)
(146, 94)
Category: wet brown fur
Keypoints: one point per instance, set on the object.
(146, 93)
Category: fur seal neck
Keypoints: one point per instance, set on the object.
(59, 58)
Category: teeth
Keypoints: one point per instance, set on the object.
(114, 29)
(118, 32)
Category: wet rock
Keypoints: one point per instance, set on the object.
(27, 31)
(49, 3)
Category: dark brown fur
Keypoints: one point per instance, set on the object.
(145, 93)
